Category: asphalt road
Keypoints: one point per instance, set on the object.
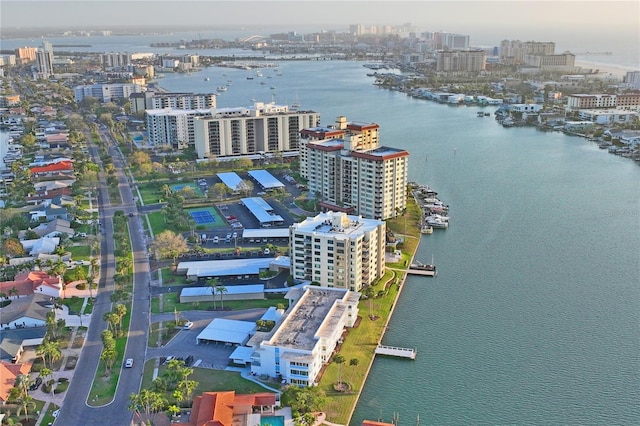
(75, 410)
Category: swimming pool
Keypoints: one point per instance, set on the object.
(272, 421)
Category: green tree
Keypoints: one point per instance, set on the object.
(146, 404)
(303, 400)
(50, 352)
(213, 284)
(221, 290)
(170, 245)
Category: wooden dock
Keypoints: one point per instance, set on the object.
(395, 351)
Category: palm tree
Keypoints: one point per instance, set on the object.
(45, 373)
(13, 292)
(353, 362)
(49, 351)
(120, 310)
(339, 359)
(221, 290)
(213, 284)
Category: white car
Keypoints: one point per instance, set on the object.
(187, 325)
(56, 413)
(128, 363)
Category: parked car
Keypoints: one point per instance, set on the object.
(128, 363)
(216, 240)
(36, 384)
(187, 325)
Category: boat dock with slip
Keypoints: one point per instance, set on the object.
(395, 351)
(418, 268)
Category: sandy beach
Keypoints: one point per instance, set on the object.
(614, 70)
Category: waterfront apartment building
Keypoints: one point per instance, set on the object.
(461, 60)
(115, 60)
(446, 41)
(104, 92)
(515, 51)
(352, 173)
(337, 250)
(632, 79)
(172, 127)
(304, 339)
(170, 100)
(245, 132)
(628, 101)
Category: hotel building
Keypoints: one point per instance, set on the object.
(338, 250)
(306, 336)
(262, 128)
(515, 51)
(44, 62)
(628, 101)
(346, 166)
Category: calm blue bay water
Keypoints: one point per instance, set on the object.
(534, 316)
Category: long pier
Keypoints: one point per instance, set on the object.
(395, 351)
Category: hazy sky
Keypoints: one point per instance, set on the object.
(451, 15)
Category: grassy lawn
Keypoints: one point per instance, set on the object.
(74, 303)
(167, 332)
(169, 279)
(171, 302)
(157, 222)
(48, 416)
(151, 192)
(72, 274)
(359, 344)
(79, 252)
(208, 380)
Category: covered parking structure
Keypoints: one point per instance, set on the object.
(232, 292)
(232, 180)
(262, 211)
(266, 180)
(231, 332)
(234, 268)
(258, 235)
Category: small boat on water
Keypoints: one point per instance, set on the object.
(207, 79)
(437, 221)
(222, 88)
(426, 229)
(418, 268)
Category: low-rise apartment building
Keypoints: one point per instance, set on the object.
(303, 341)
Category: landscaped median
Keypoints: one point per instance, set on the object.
(105, 381)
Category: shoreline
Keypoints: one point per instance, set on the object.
(386, 324)
(603, 68)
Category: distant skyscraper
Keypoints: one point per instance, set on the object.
(44, 61)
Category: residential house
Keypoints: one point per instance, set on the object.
(13, 341)
(33, 282)
(26, 312)
(55, 228)
(47, 213)
(40, 246)
(8, 374)
(227, 409)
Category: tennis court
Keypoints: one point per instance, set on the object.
(177, 187)
(206, 216)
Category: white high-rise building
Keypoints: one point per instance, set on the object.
(44, 62)
(346, 166)
(338, 250)
(163, 100)
(260, 129)
(173, 127)
(105, 92)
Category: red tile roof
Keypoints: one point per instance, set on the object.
(57, 167)
(8, 374)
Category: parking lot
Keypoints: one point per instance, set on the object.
(184, 344)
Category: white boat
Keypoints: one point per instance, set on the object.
(426, 229)
(207, 79)
(418, 268)
(222, 88)
(437, 221)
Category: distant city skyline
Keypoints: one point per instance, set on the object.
(513, 17)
